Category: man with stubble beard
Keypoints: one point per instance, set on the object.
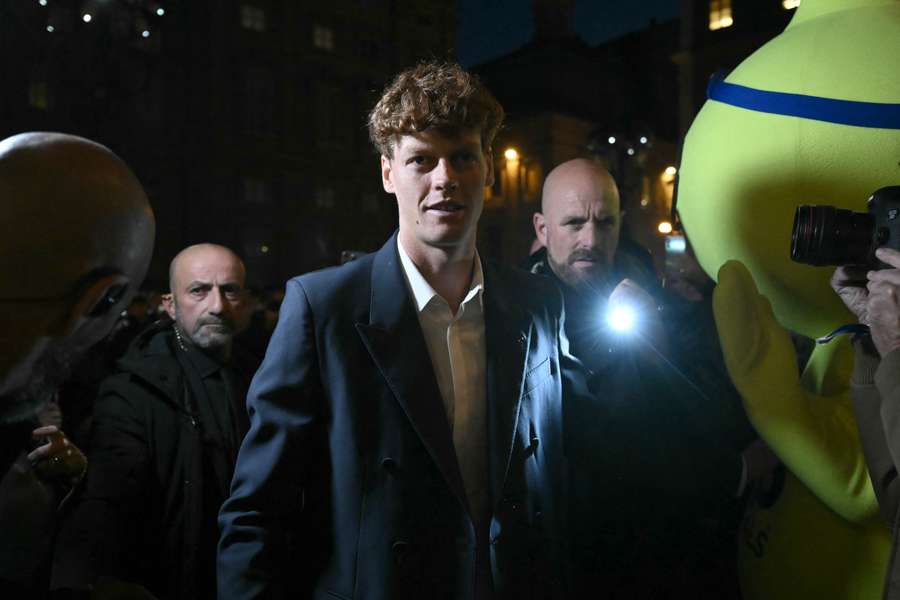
(166, 433)
(646, 511)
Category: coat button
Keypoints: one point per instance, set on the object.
(400, 549)
(523, 339)
(535, 442)
(389, 464)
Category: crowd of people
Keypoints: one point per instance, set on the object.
(417, 421)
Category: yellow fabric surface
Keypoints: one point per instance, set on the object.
(743, 173)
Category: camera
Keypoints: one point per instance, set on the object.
(827, 235)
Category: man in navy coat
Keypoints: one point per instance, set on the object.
(406, 426)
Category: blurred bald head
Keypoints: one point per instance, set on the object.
(78, 236)
(579, 221)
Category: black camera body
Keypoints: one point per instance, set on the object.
(827, 235)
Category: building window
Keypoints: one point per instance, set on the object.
(260, 100)
(38, 95)
(790, 4)
(324, 197)
(323, 37)
(720, 14)
(255, 191)
(331, 126)
(253, 17)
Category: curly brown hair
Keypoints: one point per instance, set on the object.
(438, 95)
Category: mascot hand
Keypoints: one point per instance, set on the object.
(758, 351)
(814, 436)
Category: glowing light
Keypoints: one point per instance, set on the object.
(160, 11)
(670, 171)
(644, 139)
(789, 4)
(621, 318)
(665, 227)
(612, 139)
(50, 29)
(145, 34)
(726, 22)
(511, 154)
(42, 2)
(86, 18)
(631, 152)
(264, 249)
(645, 201)
(676, 244)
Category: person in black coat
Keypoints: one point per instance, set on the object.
(646, 510)
(166, 431)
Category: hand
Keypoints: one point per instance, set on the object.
(850, 285)
(814, 435)
(649, 321)
(758, 351)
(59, 460)
(884, 302)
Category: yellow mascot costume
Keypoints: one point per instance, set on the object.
(813, 117)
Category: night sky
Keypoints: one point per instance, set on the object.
(490, 28)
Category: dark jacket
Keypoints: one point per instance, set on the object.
(347, 421)
(875, 387)
(144, 513)
(657, 504)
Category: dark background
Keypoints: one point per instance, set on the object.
(245, 119)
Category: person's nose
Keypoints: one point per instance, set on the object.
(216, 305)
(589, 236)
(444, 176)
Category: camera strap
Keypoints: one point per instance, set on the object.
(852, 328)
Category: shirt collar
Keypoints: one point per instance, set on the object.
(423, 292)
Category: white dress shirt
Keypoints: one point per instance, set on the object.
(456, 346)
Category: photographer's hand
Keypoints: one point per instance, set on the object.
(884, 302)
(850, 284)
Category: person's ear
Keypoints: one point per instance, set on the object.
(92, 307)
(168, 303)
(489, 179)
(386, 172)
(540, 228)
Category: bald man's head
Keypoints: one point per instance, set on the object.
(579, 222)
(206, 283)
(78, 236)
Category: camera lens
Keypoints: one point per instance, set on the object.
(826, 235)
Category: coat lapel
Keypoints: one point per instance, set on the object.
(508, 332)
(394, 338)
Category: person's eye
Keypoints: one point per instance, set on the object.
(197, 292)
(416, 160)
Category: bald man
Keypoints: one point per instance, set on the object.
(167, 428)
(579, 222)
(77, 239)
(634, 506)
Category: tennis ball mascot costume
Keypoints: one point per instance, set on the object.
(813, 117)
